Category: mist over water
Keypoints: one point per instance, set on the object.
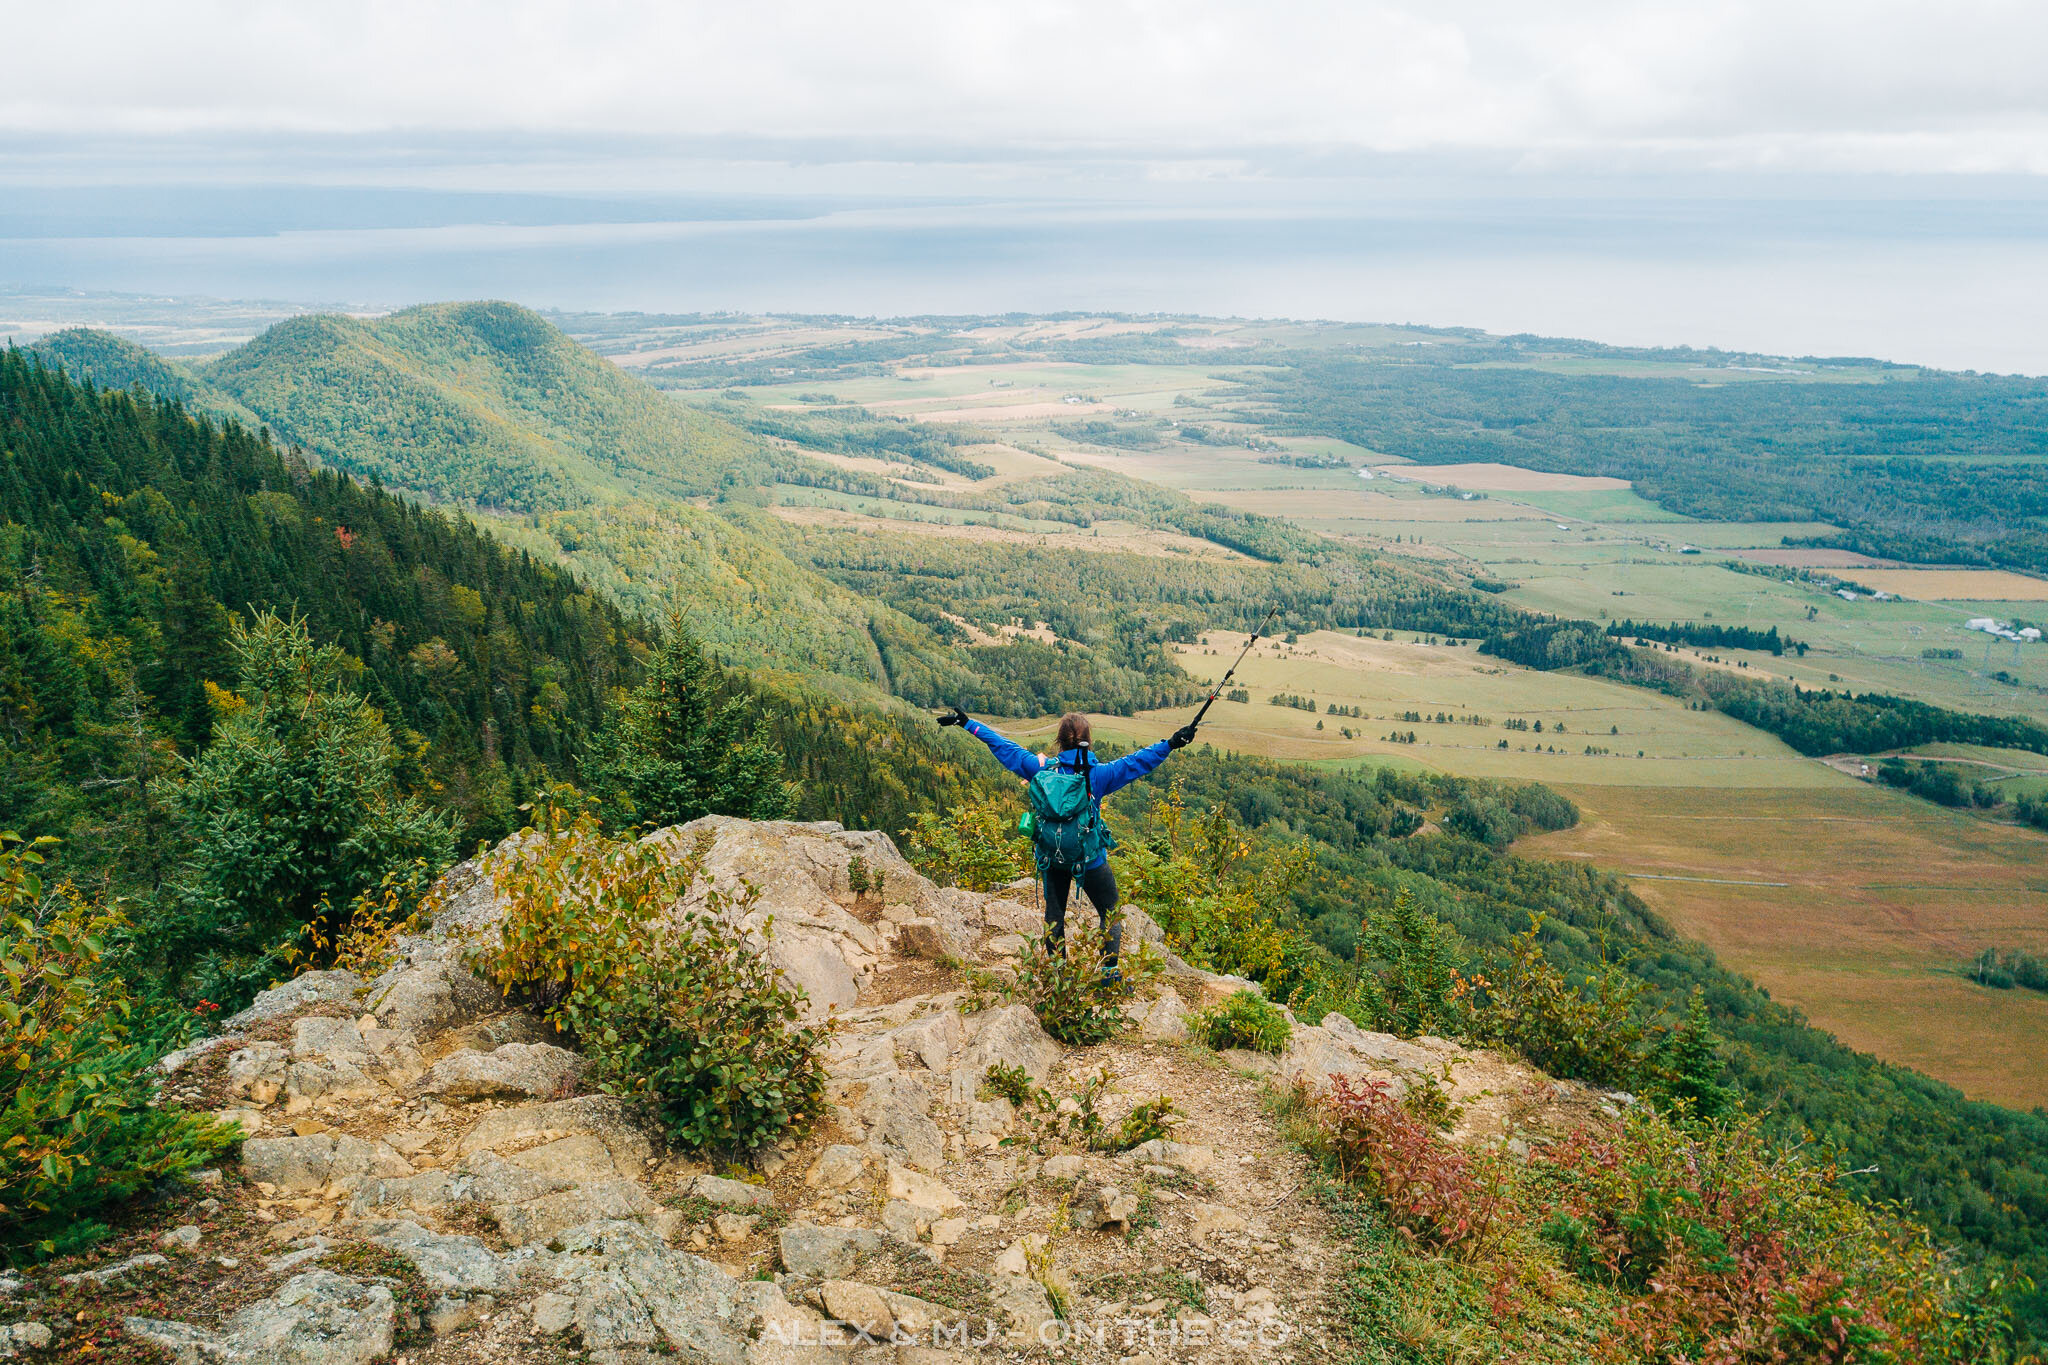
(1956, 283)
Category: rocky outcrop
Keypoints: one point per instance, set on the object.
(418, 1114)
(317, 1318)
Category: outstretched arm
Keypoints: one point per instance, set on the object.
(1010, 754)
(1121, 772)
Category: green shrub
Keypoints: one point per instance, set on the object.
(1409, 982)
(673, 1006)
(1222, 909)
(77, 1126)
(1067, 991)
(1076, 1120)
(1146, 1120)
(1590, 1032)
(1012, 1083)
(1688, 1067)
(973, 845)
(1246, 1020)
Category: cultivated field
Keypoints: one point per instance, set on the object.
(1857, 903)
(1643, 738)
(1104, 537)
(1957, 585)
(1501, 478)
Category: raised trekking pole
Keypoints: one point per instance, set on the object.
(1233, 667)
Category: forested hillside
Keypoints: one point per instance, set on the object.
(658, 503)
(114, 362)
(132, 532)
(483, 404)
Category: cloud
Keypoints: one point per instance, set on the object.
(1881, 85)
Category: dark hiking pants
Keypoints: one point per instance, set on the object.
(1100, 885)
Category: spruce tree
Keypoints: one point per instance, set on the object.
(1691, 1065)
(687, 742)
(290, 813)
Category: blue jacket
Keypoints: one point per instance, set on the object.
(1103, 778)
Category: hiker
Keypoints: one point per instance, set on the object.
(1066, 817)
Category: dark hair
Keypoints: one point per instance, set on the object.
(1073, 731)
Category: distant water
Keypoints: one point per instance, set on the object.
(1955, 283)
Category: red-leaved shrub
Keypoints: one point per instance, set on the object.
(1433, 1193)
(1732, 1250)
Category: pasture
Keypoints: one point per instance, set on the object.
(1857, 903)
(1470, 704)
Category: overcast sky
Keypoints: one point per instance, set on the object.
(1185, 87)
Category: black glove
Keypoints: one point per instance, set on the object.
(1181, 738)
(955, 717)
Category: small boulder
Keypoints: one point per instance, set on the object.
(859, 1306)
(24, 1336)
(516, 1070)
(452, 1264)
(1214, 1218)
(1063, 1167)
(915, 1187)
(1027, 1308)
(115, 1273)
(257, 1071)
(180, 1238)
(301, 992)
(317, 1318)
(1100, 1204)
(553, 1313)
(309, 1163)
(906, 1222)
(1161, 1020)
(734, 1227)
(1182, 1156)
(732, 1193)
(836, 1167)
(927, 938)
(816, 1252)
(903, 1133)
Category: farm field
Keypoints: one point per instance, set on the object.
(1648, 739)
(1103, 537)
(1856, 903)
(1575, 546)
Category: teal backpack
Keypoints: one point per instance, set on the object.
(1063, 820)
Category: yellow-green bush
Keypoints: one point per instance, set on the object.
(1220, 908)
(673, 1007)
(78, 1130)
(1245, 1020)
(1593, 1030)
(973, 845)
(1063, 983)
